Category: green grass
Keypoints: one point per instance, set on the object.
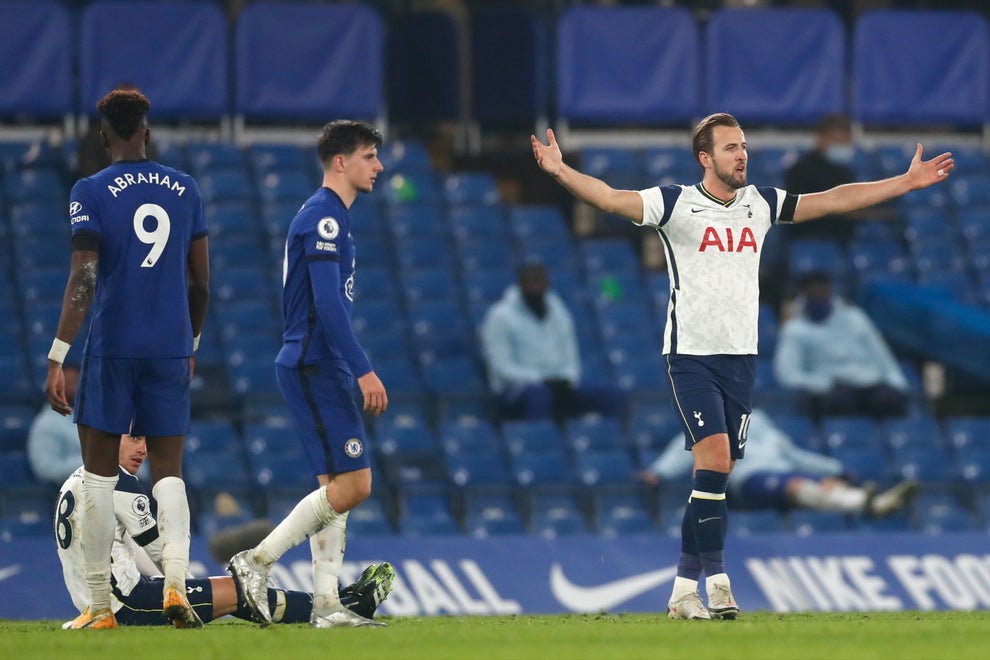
(762, 635)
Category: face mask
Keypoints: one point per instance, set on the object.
(537, 304)
(840, 154)
(817, 310)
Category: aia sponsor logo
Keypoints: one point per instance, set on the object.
(728, 242)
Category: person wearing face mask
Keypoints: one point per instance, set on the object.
(828, 164)
(530, 347)
(832, 353)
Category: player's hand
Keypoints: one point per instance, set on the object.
(548, 157)
(55, 389)
(375, 397)
(647, 477)
(923, 173)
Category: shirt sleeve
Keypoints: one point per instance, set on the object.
(658, 203)
(132, 506)
(199, 215)
(84, 216)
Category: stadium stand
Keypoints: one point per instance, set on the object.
(438, 245)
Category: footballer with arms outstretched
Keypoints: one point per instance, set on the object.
(316, 369)
(137, 597)
(140, 258)
(712, 234)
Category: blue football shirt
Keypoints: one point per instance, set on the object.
(144, 215)
(318, 287)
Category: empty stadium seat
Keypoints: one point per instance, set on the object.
(492, 515)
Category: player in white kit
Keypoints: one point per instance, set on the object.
(713, 233)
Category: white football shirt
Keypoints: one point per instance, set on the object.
(135, 520)
(713, 258)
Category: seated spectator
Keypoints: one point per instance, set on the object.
(832, 354)
(530, 347)
(777, 474)
(53, 446)
(827, 165)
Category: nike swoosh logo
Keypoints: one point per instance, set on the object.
(704, 520)
(604, 596)
(9, 571)
(697, 210)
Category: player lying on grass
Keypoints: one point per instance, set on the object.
(137, 591)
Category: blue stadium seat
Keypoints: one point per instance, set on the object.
(37, 78)
(473, 221)
(481, 469)
(440, 330)
(605, 84)
(816, 255)
(594, 432)
(267, 158)
(409, 187)
(405, 156)
(859, 431)
(974, 222)
(455, 377)
(215, 470)
(534, 221)
(946, 85)
(605, 467)
(487, 253)
(15, 422)
(229, 183)
(973, 463)
(619, 514)
(668, 165)
(286, 185)
(210, 436)
(253, 381)
(414, 220)
(176, 54)
(748, 523)
(405, 436)
(553, 515)
(965, 432)
(558, 256)
(543, 468)
(41, 219)
(805, 522)
(925, 223)
(653, 425)
(870, 257)
(938, 514)
(272, 38)
(936, 256)
(610, 163)
(232, 218)
(484, 286)
(469, 435)
(528, 436)
(426, 285)
(801, 430)
(785, 66)
(927, 464)
(477, 188)
(278, 472)
(426, 514)
(493, 515)
(370, 518)
(36, 184)
(865, 462)
(610, 255)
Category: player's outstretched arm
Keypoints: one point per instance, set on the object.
(856, 196)
(588, 189)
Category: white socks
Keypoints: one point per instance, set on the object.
(173, 528)
(327, 547)
(99, 527)
(682, 587)
(312, 514)
(845, 499)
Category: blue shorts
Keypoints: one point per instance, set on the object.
(143, 606)
(151, 392)
(321, 401)
(713, 394)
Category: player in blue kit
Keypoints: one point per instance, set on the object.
(140, 258)
(316, 369)
(712, 234)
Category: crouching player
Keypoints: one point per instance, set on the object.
(137, 576)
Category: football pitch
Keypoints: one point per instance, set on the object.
(763, 635)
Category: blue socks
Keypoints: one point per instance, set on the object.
(704, 526)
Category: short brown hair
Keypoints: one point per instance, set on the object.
(703, 132)
(125, 109)
(344, 136)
